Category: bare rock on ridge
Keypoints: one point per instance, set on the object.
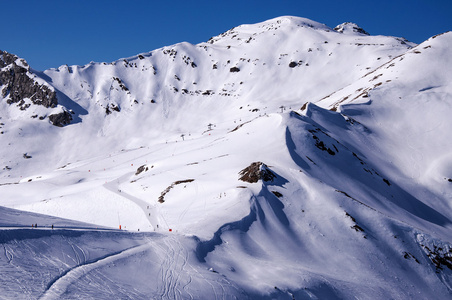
(17, 85)
(350, 27)
(255, 172)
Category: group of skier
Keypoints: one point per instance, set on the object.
(36, 225)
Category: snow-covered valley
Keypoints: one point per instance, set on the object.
(279, 160)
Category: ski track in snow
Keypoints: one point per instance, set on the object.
(59, 285)
(184, 211)
(150, 213)
(171, 270)
(176, 274)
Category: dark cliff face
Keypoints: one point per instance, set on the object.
(61, 119)
(16, 85)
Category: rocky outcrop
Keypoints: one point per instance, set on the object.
(350, 27)
(141, 169)
(255, 172)
(60, 119)
(166, 191)
(16, 84)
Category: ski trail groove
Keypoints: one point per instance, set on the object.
(59, 285)
(150, 216)
(8, 254)
(173, 279)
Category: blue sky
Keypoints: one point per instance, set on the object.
(52, 33)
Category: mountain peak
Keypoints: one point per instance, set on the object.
(285, 22)
(349, 27)
(296, 21)
(7, 59)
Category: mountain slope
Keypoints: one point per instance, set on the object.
(284, 159)
(169, 88)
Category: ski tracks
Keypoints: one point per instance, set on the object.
(178, 279)
(59, 285)
(184, 212)
(173, 279)
(8, 254)
(148, 210)
(79, 253)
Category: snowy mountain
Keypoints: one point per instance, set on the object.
(279, 160)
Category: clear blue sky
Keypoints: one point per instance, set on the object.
(74, 32)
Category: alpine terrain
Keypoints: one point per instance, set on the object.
(278, 160)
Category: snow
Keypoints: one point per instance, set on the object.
(362, 187)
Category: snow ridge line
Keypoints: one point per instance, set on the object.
(257, 212)
(203, 248)
(58, 286)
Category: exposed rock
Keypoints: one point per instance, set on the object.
(17, 85)
(234, 69)
(141, 169)
(293, 64)
(121, 84)
(60, 119)
(348, 215)
(112, 106)
(166, 191)
(255, 172)
(440, 257)
(238, 126)
(277, 194)
(7, 59)
(350, 27)
(408, 255)
(357, 228)
(320, 144)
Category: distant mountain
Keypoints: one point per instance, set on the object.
(284, 159)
